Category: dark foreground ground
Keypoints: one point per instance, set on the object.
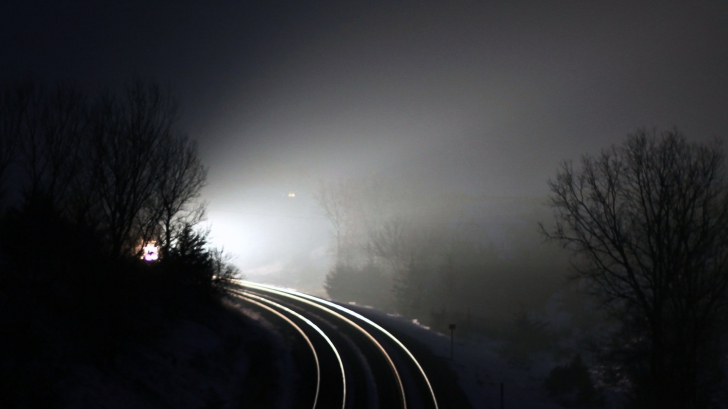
(131, 347)
(127, 348)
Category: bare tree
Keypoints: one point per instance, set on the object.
(355, 208)
(648, 224)
(413, 249)
(388, 233)
(391, 243)
(116, 164)
(12, 109)
(128, 134)
(224, 271)
(53, 133)
(337, 201)
(180, 178)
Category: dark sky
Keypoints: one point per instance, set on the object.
(483, 98)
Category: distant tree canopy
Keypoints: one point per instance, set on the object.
(647, 222)
(431, 258)
(115, 163)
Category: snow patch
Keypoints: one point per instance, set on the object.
(479, 368)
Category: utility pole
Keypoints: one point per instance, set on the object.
(452, 341)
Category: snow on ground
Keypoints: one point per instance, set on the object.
(213, 359)
(480, 369)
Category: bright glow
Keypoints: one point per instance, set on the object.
(151, 252)
(291, 194)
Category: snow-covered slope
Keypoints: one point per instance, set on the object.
(479, 368)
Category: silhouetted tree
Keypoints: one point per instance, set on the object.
(179, 180)
(53, 134)
(223, 270)
(115, 164)
(192, 263)
(355, 208)
(191, 260)
(129, 133)
(414, 252)
(337, 200)
(94, 178)
(14, 101)
(648, 224)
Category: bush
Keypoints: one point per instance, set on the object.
(525, 337)
(190, 263)
(572, 385)
(367, 285)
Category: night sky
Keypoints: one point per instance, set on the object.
(481, 98)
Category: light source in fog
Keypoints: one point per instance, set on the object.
(151, 252)
(291, 195)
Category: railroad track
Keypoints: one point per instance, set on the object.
(358, 363)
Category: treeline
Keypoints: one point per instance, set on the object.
(440, 260)
(87, 182)
(644, 225)
(113, 165)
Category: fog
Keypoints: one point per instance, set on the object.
(472, 105)
(267, 231)
(398, 154)
(465, 100)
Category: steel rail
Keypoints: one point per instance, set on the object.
(298, 296)
(247, 296)
(315, 356)
(354, 314)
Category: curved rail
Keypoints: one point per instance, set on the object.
(315, 356)
(315, 302)
(248, 297)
